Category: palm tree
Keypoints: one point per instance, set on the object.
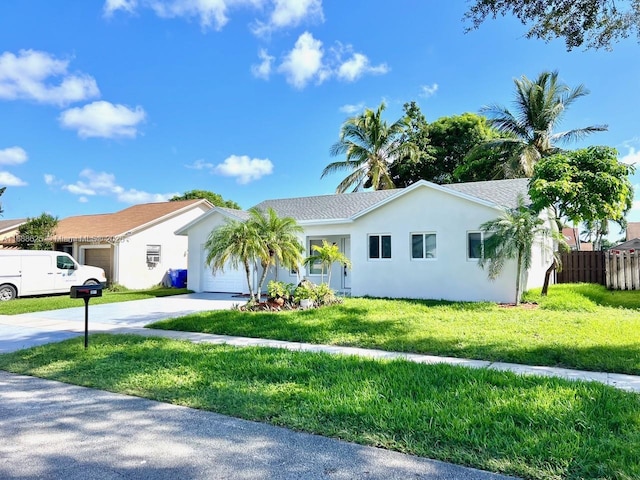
(327, 254)
(279, 241)
(529, 132)
(233, 244)
(370, 146)
(512, 236)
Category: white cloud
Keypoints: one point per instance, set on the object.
(103, 119)
(244, 168)
(210, 13)
(427, 91)
(111, 6)
(308, 62)
(83, 199)
(94, 183)
(9, 180)
(13, 156)
(632, 157)
(200, 164)
(215, 13)
(29, 76)
(263, 69)
(351, 109)
(357, 66)
(290, 13)
(304, 63)
(50, 179)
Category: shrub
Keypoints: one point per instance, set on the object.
(279, 290)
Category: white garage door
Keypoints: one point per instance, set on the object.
(229, 281)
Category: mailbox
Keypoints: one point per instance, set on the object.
(86, 291)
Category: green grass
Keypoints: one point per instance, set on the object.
(56, 302)
(583, 327)
(537, 428)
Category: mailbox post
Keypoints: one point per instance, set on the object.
(86, 292)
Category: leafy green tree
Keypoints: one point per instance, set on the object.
(512, 236)
(370, 146)
(327, 254)
(1, 192)
(215, 198)
(419, 163)
(598, 23)
(36, 233)
(452, 138)
(528, 134)
(586, 185)
(279, 241)
(443, 146)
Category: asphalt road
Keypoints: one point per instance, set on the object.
(51, 430)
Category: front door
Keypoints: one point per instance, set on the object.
(345, 246)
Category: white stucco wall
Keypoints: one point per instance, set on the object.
(450, 276)
(131, 265)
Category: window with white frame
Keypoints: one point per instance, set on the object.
(475, 245)
(379, 247)
(153, 253)
(423, 246)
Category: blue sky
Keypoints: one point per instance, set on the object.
(104, 104)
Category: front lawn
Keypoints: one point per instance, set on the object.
(536, 428)
(56, 302)
(577, 326)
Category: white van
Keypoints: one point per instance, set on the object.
(38, 272)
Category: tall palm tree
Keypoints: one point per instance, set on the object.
(512, 236)
(529, 133)
(279, 239)
(233, 244)
(327, 254)
(370, 146)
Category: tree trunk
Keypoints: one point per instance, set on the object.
(265, 270)
(547, 275)
(247, 271)
(518, 275)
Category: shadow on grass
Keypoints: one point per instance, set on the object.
(535, 427)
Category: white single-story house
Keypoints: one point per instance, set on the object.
(135, 246)
(422, 241)
(9, 231)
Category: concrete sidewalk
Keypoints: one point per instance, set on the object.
(52, 430)
(130, 317)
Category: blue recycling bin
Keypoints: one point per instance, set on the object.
(178, 278)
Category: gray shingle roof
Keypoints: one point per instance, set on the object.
(501, 192)
(343, 206)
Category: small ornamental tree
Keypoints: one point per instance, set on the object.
(513, 236)
(587, 185)
(327, 254)
(36, 233)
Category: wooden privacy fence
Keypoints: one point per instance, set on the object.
(582, 266)
(623, 269)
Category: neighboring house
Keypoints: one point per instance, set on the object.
(8, 232)
(423, 241)
(633, 244)
(572, 237)
(633, 230)
(135, 246)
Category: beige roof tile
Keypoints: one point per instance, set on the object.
(111, 225)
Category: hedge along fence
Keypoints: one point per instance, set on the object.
(623, 269)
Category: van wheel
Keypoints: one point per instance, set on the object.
(7, 292)
(92, 281)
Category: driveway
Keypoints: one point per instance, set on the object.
(31, 329)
